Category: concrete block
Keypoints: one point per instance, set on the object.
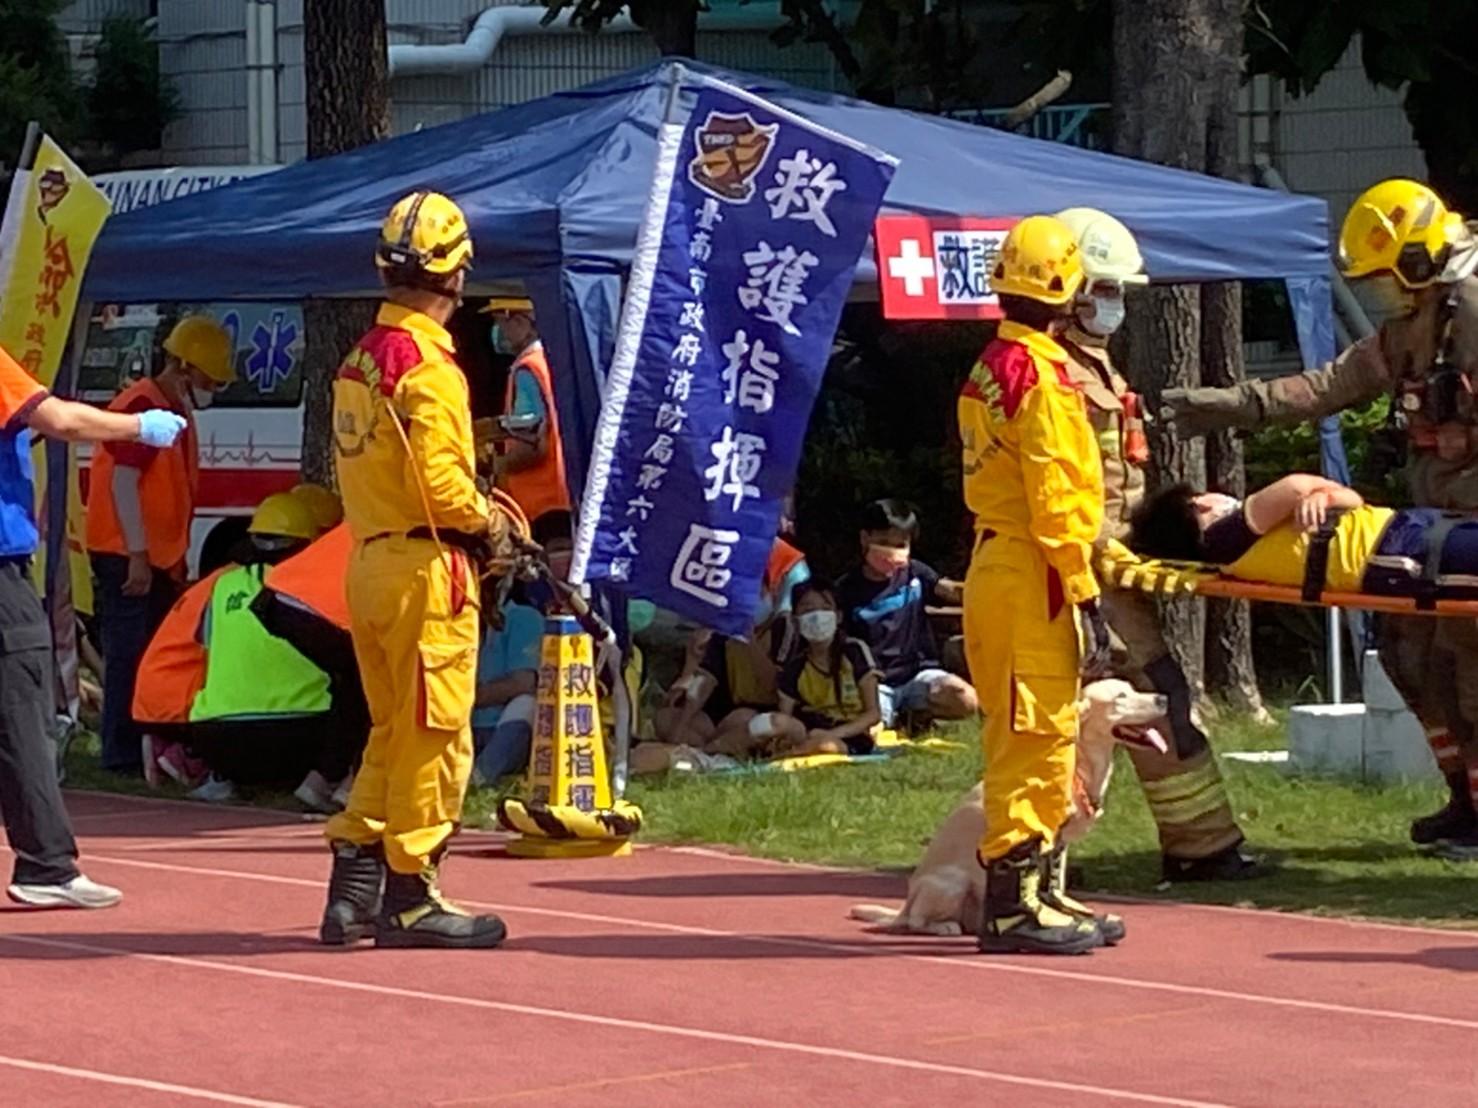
(1326, 738)
(1395, 748)
(1379, 691)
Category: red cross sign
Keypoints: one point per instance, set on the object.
(938, 267)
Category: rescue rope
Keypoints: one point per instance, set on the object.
(518, 523)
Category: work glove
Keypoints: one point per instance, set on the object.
(1097, 646)
(1192, 413)
(159, 428)
(502, 550)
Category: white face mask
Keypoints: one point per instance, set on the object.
(1102, 315)
(818, 627)
(201, 398)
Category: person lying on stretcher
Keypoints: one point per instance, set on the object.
(1315, 534)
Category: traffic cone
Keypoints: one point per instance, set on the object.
(568, 811)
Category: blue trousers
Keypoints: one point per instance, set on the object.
(127, 623)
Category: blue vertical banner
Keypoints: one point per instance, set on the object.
(747, 252)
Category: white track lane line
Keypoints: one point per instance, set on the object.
(572, 1016)
(957, 962)
(294, 821)
(141, 1083)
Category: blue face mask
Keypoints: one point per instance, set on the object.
(501, 343)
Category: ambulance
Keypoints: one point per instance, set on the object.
(251, 437)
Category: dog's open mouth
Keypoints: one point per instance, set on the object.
(1147, 737)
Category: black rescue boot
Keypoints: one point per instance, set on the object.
(1018, 920)
(415, 914)
(353, 894)
(1456, 819)
(1054, 893)
(1231, 864)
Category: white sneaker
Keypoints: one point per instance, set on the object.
(80, 892)
(316, 794)
(214, 791)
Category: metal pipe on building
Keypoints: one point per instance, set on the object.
(267, 61)
(261, 82)
(253, 91)
(489, 29)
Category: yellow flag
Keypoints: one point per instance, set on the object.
(52, 219)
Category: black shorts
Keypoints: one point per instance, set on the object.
(857, 745)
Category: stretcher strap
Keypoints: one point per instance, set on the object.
(1432, 563)
(1316, 564)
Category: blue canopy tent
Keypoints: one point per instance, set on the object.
(554, 191)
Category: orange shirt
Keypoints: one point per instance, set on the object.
(19, 392)
(168, 480)
(541, 487)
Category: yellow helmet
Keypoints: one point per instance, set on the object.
(427, 233)
(1401, 227)
(1109, 250)
(203, 343)
(324, 508)
(282, 514)
(1040, 260)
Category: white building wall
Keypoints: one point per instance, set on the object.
(1343, 137)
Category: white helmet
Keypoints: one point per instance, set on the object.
(1108, 248)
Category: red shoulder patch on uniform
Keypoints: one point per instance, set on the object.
(1003, 376)
(381, 359)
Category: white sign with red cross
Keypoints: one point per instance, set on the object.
(938, 267)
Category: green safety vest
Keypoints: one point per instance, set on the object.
(249, 672)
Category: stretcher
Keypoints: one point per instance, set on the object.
(1126, 570)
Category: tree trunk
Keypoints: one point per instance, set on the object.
(672, 25)
(348, 105)
(1229, 666)
(1162, 67)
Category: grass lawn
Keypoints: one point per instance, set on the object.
(1339, 848)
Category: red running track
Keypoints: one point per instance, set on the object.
(679, 977)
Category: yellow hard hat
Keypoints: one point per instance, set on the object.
(324, 508)
(427, 233)
(508, 304)
(284, 514)
(1401, 227)
(1040, 260)
(1109, 250)
(203, 343)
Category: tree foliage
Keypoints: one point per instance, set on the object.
(130, 102)
(672, 24)
(35, 75)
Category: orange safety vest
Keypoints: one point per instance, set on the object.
(172, 670)
(315, 576)
(540, 488)
(168, 482)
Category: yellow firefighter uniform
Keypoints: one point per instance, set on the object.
(412, 601)
(1034, 483)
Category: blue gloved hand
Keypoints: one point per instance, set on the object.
(159, 428)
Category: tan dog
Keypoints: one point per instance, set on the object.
(946, 891)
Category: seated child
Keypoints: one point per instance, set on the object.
(1269, 536)
(829, 688)
(883, 604)
(507, 676)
